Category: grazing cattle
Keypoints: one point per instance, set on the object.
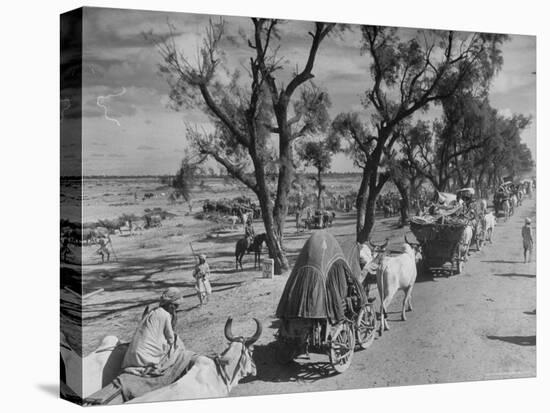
(208, 377)
(85, 376)
(148, 195)
(88, 236)
(153, 221)
(397, 273)
(489, 223)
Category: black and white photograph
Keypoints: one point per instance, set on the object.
(275, 206)
(255, 206)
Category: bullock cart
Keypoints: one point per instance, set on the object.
(440, 240)
(498, 203)
(324, 308)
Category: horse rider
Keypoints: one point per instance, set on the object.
(249, 232)
(201, 274)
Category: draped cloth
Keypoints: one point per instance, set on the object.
(321, 281)
(133, 385)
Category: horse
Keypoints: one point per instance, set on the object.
(244, 246)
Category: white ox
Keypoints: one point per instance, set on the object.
(208, 377)
(488, 222)
(483, 206)
(85, 376)
(513, 203)
(370, 255)
(393, 274)
(465, 241)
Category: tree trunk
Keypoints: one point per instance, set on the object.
(364, 233)
(280, 208)
(273, 241)
(361, 202)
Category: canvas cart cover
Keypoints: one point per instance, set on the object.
(320, 282)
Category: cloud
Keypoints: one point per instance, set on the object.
(146, 148)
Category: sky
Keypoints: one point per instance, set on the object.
(128, 127)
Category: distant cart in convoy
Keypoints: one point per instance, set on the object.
(442, 250)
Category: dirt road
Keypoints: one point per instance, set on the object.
(474, 326)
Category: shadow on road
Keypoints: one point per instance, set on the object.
(270, 371)
(513, 274)
(504, 262)
(518, 340)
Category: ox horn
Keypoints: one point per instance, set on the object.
(406, 240)
(227, 330)
(371, 245)
(251, 340)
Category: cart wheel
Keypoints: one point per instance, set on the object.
(341, 349)
(367, 328)
(285, 352)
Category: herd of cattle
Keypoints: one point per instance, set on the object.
(233, 207)
(92, 233)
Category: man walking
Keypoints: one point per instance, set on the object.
(527, 235)
(103, 250)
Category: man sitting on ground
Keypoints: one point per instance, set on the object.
(155, 358)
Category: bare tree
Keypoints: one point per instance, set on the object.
(249, 112)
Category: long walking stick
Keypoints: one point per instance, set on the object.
(193, 251)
